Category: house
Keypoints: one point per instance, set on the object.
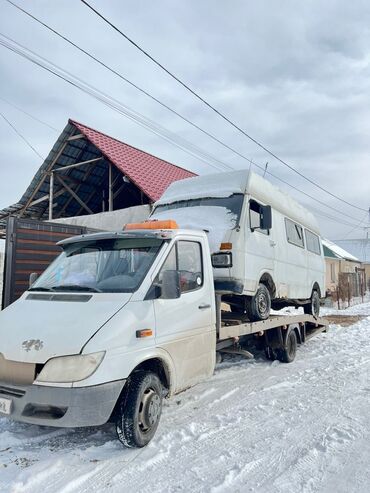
(87, 172)
(340, 264)
(360, 248)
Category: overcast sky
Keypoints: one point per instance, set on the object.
(294, 75)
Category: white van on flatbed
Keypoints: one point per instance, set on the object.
(118, 322)
(266, 248)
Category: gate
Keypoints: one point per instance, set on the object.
(30, 247)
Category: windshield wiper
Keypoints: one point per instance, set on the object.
(41, 288)
(75, 287)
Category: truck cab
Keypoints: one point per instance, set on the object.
(115, 323)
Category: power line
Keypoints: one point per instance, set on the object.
(29, 114)
(110, 102)
(356, 227)
(216, 139)
(319, 212)
(215, 110)
(21, 136)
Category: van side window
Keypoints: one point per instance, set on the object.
(312, 242)
(255, 212)
(190, 267)
(294, 233)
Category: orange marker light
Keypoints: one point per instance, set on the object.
(170, 224)
(140, 334)
(226, 246)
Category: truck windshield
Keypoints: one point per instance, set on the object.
(108, 266)
(233, 203)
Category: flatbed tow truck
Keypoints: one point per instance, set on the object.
(120, 321)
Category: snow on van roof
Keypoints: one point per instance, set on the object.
(213, 185)
(216, 221)
(240, 181)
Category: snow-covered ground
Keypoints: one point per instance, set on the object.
(255, 426)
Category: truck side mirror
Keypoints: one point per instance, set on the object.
(266, 217)
(170, 285)
(32, 279)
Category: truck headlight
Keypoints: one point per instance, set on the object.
(66, 369)
(222, 260)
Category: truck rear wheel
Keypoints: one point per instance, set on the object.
(287, 354)
(139, 409)
(258, 306)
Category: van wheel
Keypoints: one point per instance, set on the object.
(139, 409)
(259, 306)
(313, 307)
(287, 354)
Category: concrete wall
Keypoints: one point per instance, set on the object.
(109, 221)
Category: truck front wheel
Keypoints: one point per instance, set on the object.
(139, 409)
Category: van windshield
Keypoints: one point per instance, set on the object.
(233, 203)
(107, 266)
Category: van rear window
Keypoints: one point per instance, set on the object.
(294, 233)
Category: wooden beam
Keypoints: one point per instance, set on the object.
(76, 137)
(75, 181)
(89, 161)
(117, 192)
(74, 195)
(43, 178)
(51, 196)
(46, 197)
(85, 177)
(110, 188)
(86, 202)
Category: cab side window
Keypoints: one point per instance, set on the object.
(190, 265)
(185, 257)
(170, 264)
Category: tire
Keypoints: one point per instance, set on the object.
(313, 307)
(259, 306)
(287, 354)
(139, 410)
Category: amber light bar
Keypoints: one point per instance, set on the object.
(169, 224)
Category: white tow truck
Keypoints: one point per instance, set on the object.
(120, 321)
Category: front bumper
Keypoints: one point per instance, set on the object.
(62, 407)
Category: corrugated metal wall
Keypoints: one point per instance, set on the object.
(30, 247)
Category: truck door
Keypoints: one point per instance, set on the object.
(185, 326)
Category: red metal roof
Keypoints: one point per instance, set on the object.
(149, 173)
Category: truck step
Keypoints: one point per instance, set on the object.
(241, 352)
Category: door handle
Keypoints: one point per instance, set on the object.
(204, 307)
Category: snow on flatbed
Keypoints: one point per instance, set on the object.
(254, 426)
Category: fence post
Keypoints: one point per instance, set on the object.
(338, 297)
(349, 293)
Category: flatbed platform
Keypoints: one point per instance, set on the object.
(275, 321)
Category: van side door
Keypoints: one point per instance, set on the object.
(185, 325)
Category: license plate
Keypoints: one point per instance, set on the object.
(5, 406)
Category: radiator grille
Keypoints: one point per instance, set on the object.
(11, 392)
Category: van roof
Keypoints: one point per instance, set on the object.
(240, 181)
